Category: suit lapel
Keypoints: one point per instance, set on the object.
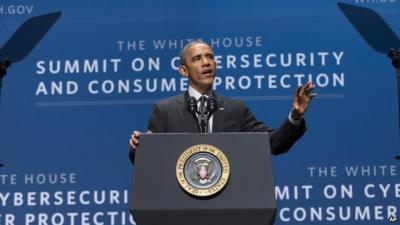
(189, 123)
(219, 115)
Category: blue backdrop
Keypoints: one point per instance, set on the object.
(68, 109)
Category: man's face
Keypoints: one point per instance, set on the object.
(200, 67)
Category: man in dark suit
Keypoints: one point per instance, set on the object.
(198, 64)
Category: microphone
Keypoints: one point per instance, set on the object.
(212, 106)
(3, 66)
(204, 114)
(192, 106)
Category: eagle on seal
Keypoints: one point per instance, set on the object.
(203, 169)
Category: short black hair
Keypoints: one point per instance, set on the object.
(183, 52)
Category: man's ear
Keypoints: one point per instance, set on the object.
(183, 70)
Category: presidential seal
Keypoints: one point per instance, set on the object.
(202, 170)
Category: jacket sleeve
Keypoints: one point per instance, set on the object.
(281, 139)
(155, 125)
(156, 121)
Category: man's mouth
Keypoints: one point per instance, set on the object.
(207, 72)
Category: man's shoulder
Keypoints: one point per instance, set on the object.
(179, 98)
(230, 100)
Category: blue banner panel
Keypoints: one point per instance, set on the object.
(68, 108)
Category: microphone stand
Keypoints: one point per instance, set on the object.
(398, 98)
(3, 71)
(1, 84)
(203, 121)
(209, 110)
(203, 112)
(395, 56)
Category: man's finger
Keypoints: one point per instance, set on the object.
(133, 137)
(298, 90)
(131, 145)
(309, 88)
(302, 90)
(136, 133)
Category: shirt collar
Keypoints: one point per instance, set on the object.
(194, 93)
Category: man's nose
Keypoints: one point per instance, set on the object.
(205, 61)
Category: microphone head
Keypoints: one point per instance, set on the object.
(192, 104)
(7, 62)
(3, 67)
(212, 105)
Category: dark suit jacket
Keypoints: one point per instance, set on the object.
(171, 116)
